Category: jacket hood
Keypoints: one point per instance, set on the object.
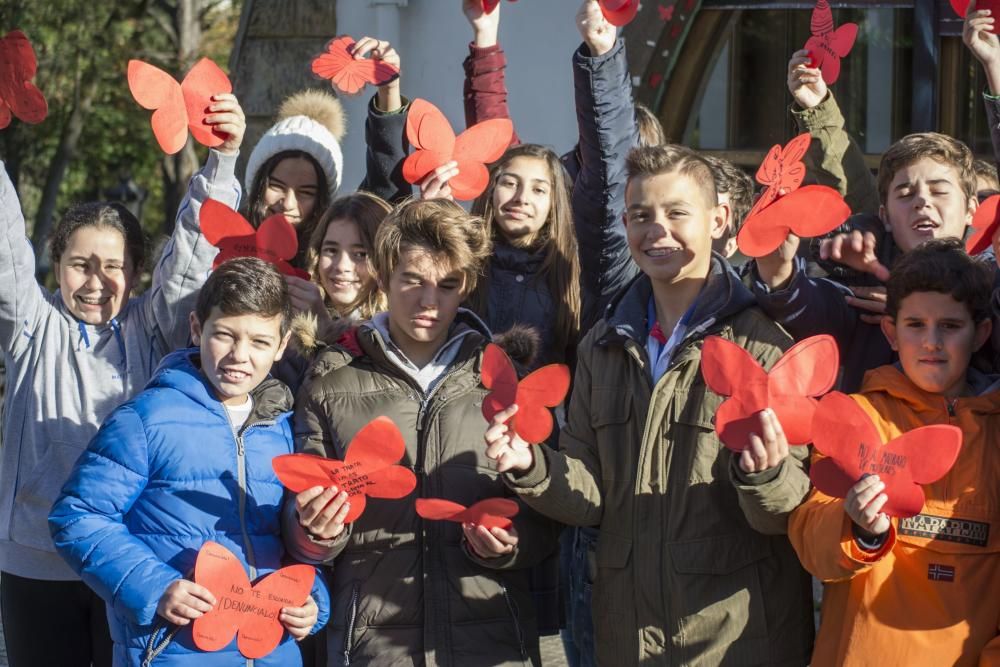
(310, 336)
(181, 371)
(893, 383)
(722, 297)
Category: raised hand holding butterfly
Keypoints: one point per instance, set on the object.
(389, 98)
(979, 35)
(227, 118)
(484, 17)
(597, 32)
(805, 82)
(505, 446)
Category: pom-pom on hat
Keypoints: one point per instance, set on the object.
(311, 121)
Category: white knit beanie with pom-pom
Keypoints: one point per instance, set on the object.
(311, 121)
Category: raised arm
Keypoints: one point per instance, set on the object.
(985, 47)
(485, 88)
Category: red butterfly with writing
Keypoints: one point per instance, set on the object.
(274, 241)
(179, 107)
(784, 207)
(542, 389)
(247, 610)
(489, 513)
(807, 370)
(619, 13)
(18, 96)
(827, 46)
(347, 73)
(984, 226)
(369, 469)
(431, 134)
(853, 448)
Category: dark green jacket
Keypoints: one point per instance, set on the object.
(693, 566)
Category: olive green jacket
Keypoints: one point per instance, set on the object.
(693, 566)
(407, 591)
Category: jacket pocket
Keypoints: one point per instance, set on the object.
(351, 621)
(612, 589)
(609, 405)
(34, 499)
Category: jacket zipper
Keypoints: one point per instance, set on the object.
(352, 618)
(512, 608)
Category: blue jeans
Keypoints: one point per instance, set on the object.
(578, 547)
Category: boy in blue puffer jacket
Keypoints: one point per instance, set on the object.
(187, 461)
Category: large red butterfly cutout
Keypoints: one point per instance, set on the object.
(619, 12)
(489, 513)
(807, 370)
(179, 107)
(18, 96)
(274, 241)
(370, 468)
(431, 134)
(827, 46)
(961, 8)
(852, 448)
(542, 389)
(347, 73)
(782, 171)
(984, 226)
(241, 607)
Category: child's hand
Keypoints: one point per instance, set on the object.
(299, 621)
(227, 117)
(435, 184)
(389, 98)
(490, 543)
(767, 450)
(864, 503)
(871, 301)
(805, 83)
(505, 446)
(776, 268)
(485, 27)
(184, 601)
(305, 295)
(856, 250)
(985, 46)
(322, 511)
(597, 33)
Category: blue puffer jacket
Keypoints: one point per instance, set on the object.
(165, 474)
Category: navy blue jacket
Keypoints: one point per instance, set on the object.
(166, 473)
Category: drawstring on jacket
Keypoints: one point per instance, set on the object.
(116, 328)
(84, 336)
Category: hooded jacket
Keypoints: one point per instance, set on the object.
(406, 591)
(64, 376)
(928, 595)
(693, 566)
(166, 473)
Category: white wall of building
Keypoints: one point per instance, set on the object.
(538, 36)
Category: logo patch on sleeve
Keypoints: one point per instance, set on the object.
(948, 529)
(937, 572)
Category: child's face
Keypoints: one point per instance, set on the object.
(343, 264)
(926, 201)
(522, 199)
(935, 337)
(292, 189)
(424, 294)
(237, 351)
(670, 224)
(95, 274)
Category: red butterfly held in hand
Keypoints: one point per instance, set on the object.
(852, 448)
(274, 241)
(490, 513)
(961, 8)
(431, 134)
(984, 226)
(179, 107)
(827, 46)
(785, 207)
(347, 73)
(619, 12)
(241, 607)
(370, 468)
(807, 370)
(542, 389)
(18, 96)
(490, 5)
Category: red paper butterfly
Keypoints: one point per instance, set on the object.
(346, 72)
(490, 5)
(984, 226)
(782, 171)
(542, 389)
(274, 241)
(18, 96)
(431, 134)
(852, 448)
(179, 107)
(807, 370)
(961, 8)
(489, 513)
(813, 210)
(619, 12)
(827, 46)
(249, 609)
(370, 468)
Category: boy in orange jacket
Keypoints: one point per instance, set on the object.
(921, 590)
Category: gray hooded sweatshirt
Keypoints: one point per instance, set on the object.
(64, 376)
